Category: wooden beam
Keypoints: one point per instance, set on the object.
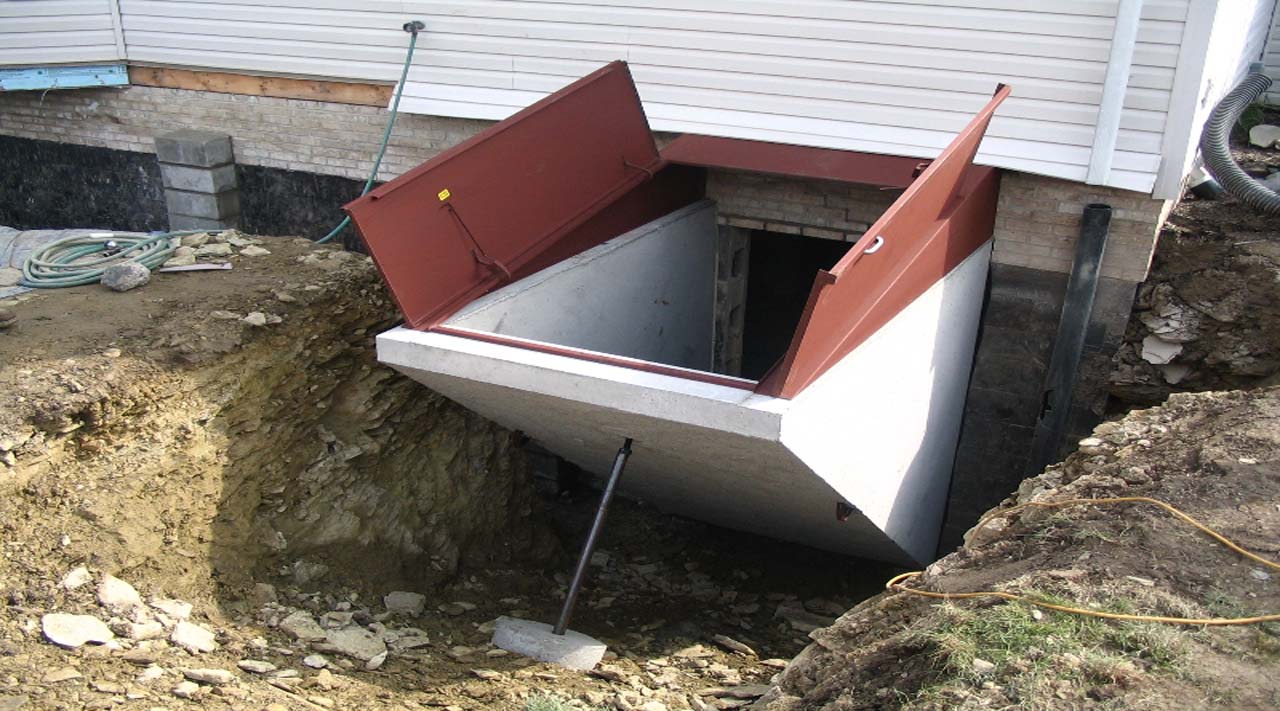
(254, 85)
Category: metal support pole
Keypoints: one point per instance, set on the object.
(575, 586)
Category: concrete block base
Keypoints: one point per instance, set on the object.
(199, 173)
(534, 639)
(187, 222)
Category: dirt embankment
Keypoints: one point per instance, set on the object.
(1215, 456)
(169, 435)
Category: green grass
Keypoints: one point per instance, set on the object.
(1031, 655)
(1249, 118)
(552, 702)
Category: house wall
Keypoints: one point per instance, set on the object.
(59, 31)
(896, 77)
(296, 150)
(1222, 38)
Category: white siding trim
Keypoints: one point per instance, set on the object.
(1187, 79)
(1123, 41)
(1221, 39)
(117, 26)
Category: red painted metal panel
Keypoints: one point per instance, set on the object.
(794, 161)
(476, 215)
(938, 221)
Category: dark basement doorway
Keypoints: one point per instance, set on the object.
(780, 273)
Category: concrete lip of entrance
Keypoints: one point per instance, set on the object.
(877, 432)
(535, 639)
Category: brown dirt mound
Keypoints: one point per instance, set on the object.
(1215, 456)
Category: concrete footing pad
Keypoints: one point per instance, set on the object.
(536, 640)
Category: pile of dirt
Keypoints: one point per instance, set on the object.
(214, 425)
(1208, 316)
(1215, 456)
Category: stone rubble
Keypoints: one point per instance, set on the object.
(75, 631)
(125, 276)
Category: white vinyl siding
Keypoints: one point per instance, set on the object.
(42, 32)
(887, 77)
(895, 77)
(342, 39)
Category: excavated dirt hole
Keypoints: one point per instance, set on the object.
(228, 439)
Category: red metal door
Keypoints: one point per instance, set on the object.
(945, 214)
(464, 222)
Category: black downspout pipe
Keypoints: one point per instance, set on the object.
(1068, 345)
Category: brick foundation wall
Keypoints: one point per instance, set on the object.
(812, 208)
(1038, 221)
(1037, 218)
(292, 134)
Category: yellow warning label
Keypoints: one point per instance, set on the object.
(443, 195)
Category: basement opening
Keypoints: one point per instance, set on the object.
(560, 275)
(779, 279)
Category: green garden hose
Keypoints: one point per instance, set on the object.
(80, 260)
(412, 28)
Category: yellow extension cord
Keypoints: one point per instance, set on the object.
(896, 583)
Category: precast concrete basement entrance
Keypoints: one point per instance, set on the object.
(558, 275)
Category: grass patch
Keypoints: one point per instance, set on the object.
(1250, 117)
(1033, 658)
(551, 702)
(548, 702)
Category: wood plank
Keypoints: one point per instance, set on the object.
(248, 84)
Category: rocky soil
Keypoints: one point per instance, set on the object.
(1208, 317)
(1215, 456)
(212, 496)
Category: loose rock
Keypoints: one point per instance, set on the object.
(75, 578)
(193, 638)
(175, 609)
(409, 603)
(256, 666)
(60, 675)
(215, 677)
(186, 690)
(733, 645)
(125, 276)
(355, 642)
(214, 250)
(118, 596)
(72, 631)
(302, 626)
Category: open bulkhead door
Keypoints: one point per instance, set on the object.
(518, 195)
(938, 221)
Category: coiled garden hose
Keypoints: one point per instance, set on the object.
(412, 27)
(80, 260)
(1215, 146)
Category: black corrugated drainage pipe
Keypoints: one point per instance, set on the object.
(1068, 345)
(1216, 148)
